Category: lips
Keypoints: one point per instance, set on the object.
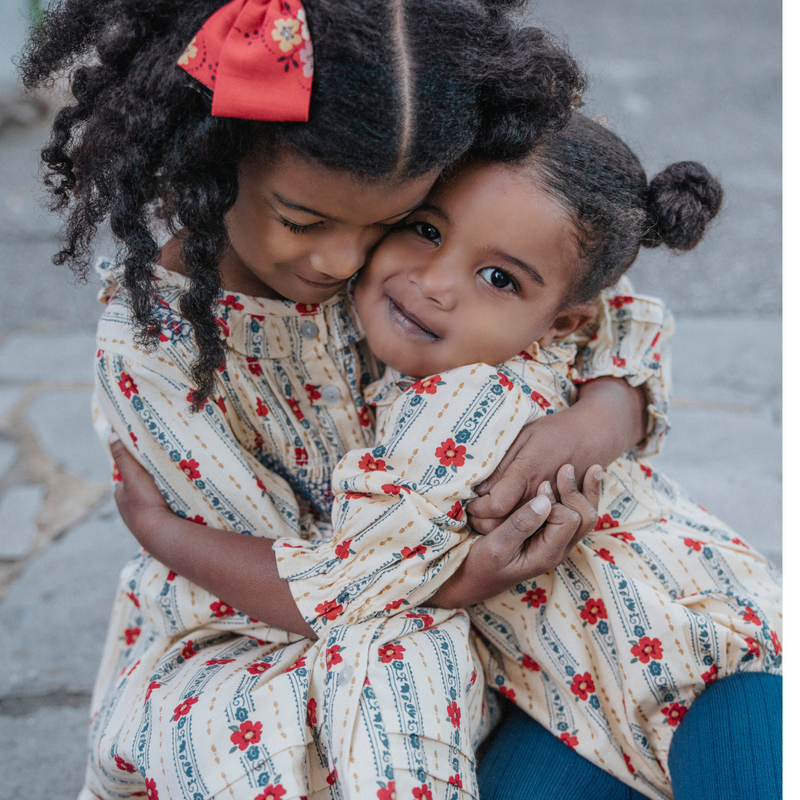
(320, 285)
(409, 323)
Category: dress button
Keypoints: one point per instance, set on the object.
(331, 395)
(346, 675)
(308, 330)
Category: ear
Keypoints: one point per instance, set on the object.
(569, 320)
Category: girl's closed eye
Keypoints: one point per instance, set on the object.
(499, 279)
(295, 228)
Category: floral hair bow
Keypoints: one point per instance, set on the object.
(257, 59)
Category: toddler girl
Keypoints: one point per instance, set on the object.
(609, 651)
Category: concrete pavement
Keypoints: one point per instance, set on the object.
(679, 80)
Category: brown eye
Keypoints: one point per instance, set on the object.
(498, 278)
(427, 231)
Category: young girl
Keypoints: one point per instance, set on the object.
(609, 651)
(235, 367)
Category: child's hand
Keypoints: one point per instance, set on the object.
(513, 552)
(138, 499)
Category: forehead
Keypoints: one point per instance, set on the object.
(335, 194)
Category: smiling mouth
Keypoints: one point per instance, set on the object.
(409, 323)
(321, 284)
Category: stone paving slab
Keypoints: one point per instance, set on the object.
(8, 455)
(62, 420)
(18, 509)
(55, 357)
(53, 621)
(9, 397)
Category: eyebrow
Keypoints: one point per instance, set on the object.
(306, 210)
(527, 268)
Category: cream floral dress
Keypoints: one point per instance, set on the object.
(195, 700)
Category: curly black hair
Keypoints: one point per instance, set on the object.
(401, 87)
(601, 184)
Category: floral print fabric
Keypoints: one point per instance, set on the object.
(194, 698)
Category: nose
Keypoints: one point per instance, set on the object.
(341, 255)
(437, 278)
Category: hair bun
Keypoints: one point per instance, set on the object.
(681, 201)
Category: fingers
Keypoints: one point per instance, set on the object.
(511, 535)
(488, 512)
(579, 503)
(139, 487)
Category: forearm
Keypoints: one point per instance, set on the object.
(239, 569)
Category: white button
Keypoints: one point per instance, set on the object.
(331, 395)
(309, 330)
(346, 675)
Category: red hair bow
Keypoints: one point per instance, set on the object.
(256, 57)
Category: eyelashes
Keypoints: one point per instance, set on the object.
(295, 228)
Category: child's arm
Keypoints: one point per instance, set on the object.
(623, 401)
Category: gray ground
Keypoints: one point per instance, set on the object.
(680, 80)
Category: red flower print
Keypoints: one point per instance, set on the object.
(450, 455)
(100, 353)
(752, 646)
(292, 403)
(395, 604)
(124, 765)
(648, 471)
(408, 552)
(427, 386)
(711, 676)
(625, 536)
(776, 643)
(126, 385)
(620, 300)
(330, 609)
(300, 456)
(389, 793)
(530, 664)
(198, 519)
(301, 662)
(504, 381)
(306, 309)
(605, 522)
(226, 331)
(215, 661)
(594, 610)
(311, 713)
(456, 781)
(391, 652)
(740, 543)
(116, 475)
(422, 793)
(582, 686)
(261, 407)
(509, 693)
(363, 417)
(369, 464)
(332, 776)
(248, 733)
(391, 490)
(628, 763)
(221, 609)
(188, 650)
(189, 468)
(355, 495)
(534, 597)
(152, 685)
(171, 575)
(751, 616)
(259, 668)
(184, 708)
(454, 714)
(605, 555)
(152, 792)
(332, 657)
(674, 713)
(190, 399)
(692, 544)
(258, 441)
(313, 392)
(617, 361)
(261, 486)
(221, 403)
(231, 301)
(131, 635)
(646, 649)
(134, 439)
(540, 401)
(343, 549)
(427, 619)
(569, 741)
(456, 511)
(272, 792)
(254, 366)
(133, 598)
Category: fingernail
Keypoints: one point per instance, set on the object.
(541, 505)
(546, 487)
(113, 437)
(598, 473)
(570, 473)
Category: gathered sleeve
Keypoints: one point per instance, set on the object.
(629, 338)
(399, 522)
(202, 472)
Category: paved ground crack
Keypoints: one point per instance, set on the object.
(27, 704)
